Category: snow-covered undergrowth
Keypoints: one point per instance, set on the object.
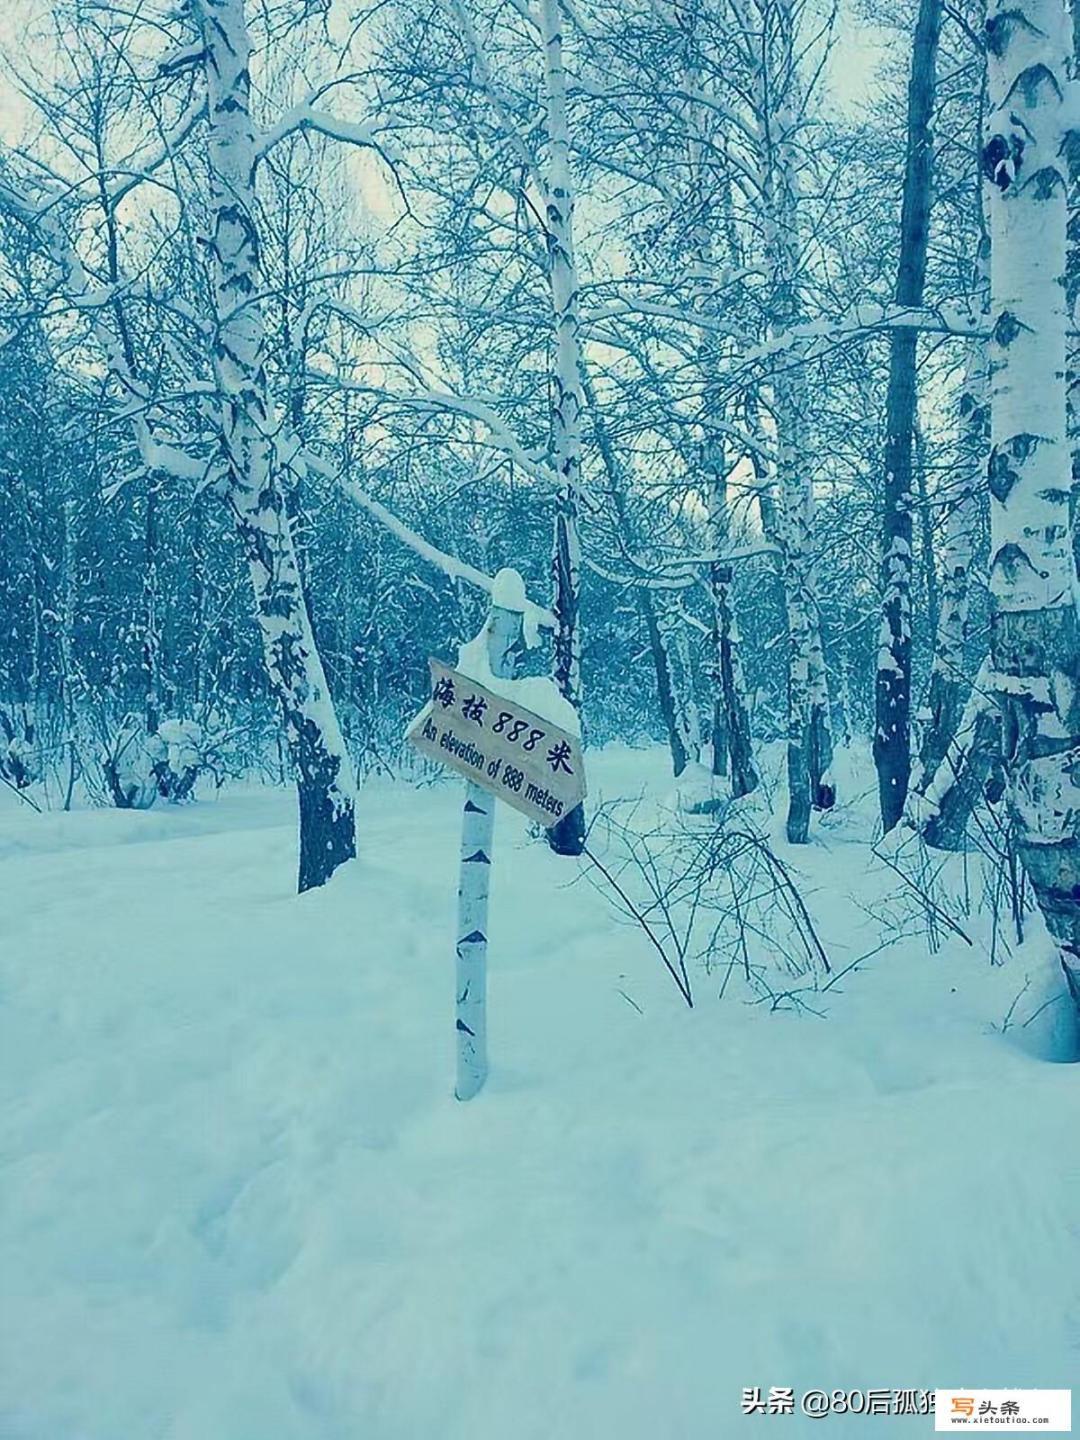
(238, 1202)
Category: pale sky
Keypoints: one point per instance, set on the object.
(850, 76)
(857, 55)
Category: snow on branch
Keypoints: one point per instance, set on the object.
(449, 565)
(459, 13)
(143, 168)
(683, 314)
(687, 568)
(309, 117)
(498, 435)
(812, 338)
(41, 213)
(815, 337)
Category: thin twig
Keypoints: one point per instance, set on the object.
(21, 794)
(684, 989)
(941, 914)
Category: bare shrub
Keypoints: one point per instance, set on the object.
(713, 899)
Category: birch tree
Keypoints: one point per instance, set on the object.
(711, 203)
(948, 686)
(248, 423)
(959, 766)
(892, 733)
(809, 742)
(681, 745)
(254, 443)
(1035, 647)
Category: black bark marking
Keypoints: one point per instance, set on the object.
(1029, 81)
(998, 29)
(892, 691)
(1001, 475)
(1045, 181)
(1001, 159)
(1012, 559)
(462, 1026)
(1006, 328)
(476, 858)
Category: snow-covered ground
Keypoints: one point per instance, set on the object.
(238, 1201)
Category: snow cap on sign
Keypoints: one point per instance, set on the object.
(508, 592)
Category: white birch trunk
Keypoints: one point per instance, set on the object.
(795, 525)
(1034, 637)
(808, 718)
(503, 631)
(820, 759)
(68, 677)
(795, 516)
(892, 690)
(732, 751)
(252, 487)
(647, 607)
(955, 760)
(730, 739)
(968, 774)
(680, 672)
(948, 687)
(568, 836)
(732, 747)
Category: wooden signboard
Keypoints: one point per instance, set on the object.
(502, 747)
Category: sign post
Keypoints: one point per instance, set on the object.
(507, 751)
(503, 633)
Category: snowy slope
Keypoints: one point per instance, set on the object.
(237, 1201)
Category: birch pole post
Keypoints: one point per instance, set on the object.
(503, 633)
(568, 836)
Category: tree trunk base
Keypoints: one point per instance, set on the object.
(327, 833)
(798, 816)
(822, 784)
(978, 778)
(1071, 972)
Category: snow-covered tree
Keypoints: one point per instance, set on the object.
(1035, 646)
